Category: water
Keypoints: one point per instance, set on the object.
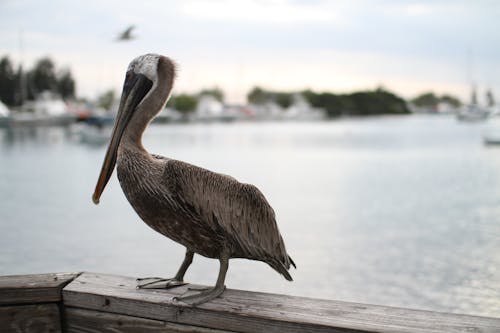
(401, 211)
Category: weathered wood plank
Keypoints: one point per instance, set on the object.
(40, 318)
(38, 288)
(89, 321)
(243, 311)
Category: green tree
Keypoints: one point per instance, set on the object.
(42, 77)
(334, 105)
(431, 100)
(66, 84)
(7, 82)
(428, 99)
(183, 103)
(452, 100)
(283, 99)
(260, 96)
(20, 86)
(377, 102)
(257, 96)
(217, 93)
(17, 86)
(310, 96)
(358, 103)
(106, 99)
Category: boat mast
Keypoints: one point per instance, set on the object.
(22, 78)
(469, 78)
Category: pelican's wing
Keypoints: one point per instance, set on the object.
(238, 211)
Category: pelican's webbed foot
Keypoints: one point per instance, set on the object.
(208, 295)
(158, 283)
(161, 283)
(201, 297)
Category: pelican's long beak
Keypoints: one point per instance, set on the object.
(135, 87)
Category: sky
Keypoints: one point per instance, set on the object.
(408, 47)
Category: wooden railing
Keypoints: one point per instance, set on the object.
(90, 302)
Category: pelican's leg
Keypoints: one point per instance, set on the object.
(161, 283)
(210, 294)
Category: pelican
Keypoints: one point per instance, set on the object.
(209, 213)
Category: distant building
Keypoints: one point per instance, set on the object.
(209, 107)
(300, 109)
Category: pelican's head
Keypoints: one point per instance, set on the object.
(145, 73)
(147, 85)
(146, 65)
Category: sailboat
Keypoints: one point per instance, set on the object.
(473, 111)
(491, 133)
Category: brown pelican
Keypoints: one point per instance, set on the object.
(209, 213)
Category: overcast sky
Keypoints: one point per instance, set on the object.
(406, 46)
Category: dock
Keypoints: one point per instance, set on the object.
(93, 302)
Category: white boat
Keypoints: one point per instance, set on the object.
(4, 115)
(210, 109)
(301, 109)
(491, 132)
(29, 119)
(474, 112)
(95, 135)
(46, 110)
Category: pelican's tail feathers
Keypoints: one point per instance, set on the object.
(280, 268)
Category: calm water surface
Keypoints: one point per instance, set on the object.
(400, 211)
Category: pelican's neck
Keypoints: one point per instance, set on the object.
(152, 104)
(149, 107)
(132, 136)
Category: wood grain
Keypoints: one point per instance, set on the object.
(88, 321)
(41, 318)
(39, 288)
(243, 311)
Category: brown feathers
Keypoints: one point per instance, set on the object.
(204, 211)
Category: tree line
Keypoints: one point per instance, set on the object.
(183, 102)
(431, 100)
(374, 102)
(188, 102)
(18, 85)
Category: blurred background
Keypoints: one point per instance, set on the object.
(371, 127)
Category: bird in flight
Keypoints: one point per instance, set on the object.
(126, 35)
